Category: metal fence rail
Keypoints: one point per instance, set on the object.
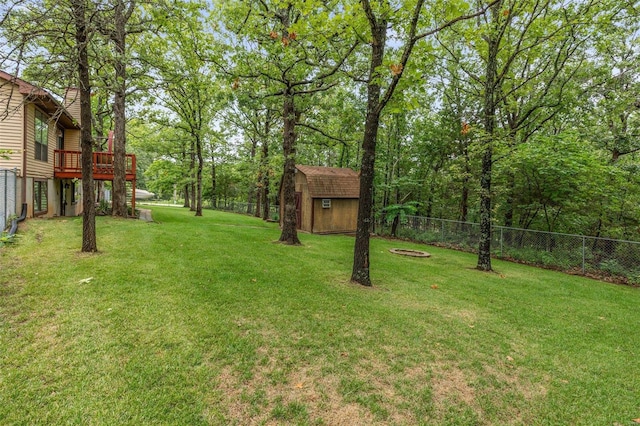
(566, 252)
(8, 191)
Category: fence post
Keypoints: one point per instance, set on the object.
(584, 256)
(442, 230)
(501, 240)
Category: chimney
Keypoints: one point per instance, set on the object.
(72, 103)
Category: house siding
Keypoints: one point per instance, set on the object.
(72, 103)
(17, 132)
(72, 140)
(11, 136)
(37, 168)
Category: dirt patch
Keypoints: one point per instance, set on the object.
(451, 383)
(252, 402)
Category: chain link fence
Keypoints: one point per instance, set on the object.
(245, 208)
(600, 257)
(8, 192)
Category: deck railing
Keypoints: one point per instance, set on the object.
(70, 163)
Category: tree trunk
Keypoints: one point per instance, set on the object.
(265, 197)
(89, 244)
(214, 196)
(289, 233)
(119, 193)
(187, 196)
(464, 199)
(265, 177)
(489, 119)
(264, 166)
(360, 272)
(253, 196)
(199, 177)
(258, 208)
(192, 178)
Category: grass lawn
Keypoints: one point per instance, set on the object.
(191, 321)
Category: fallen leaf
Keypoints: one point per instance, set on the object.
(396, 68)
(85, 281)
(509, 358)
(636, 420)
(502, 276)
(434, 286)
(344, 354)
(299, 385)
(253, 280)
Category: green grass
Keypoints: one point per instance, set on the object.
(206, 320)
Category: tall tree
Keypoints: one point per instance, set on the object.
(57, 37)
(305, 47)
(189, 89)
(379, 15)
(122, 12)
(82, 35)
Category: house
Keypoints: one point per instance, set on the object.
(42, 137)
(326, 199)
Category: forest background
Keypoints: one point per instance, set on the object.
(520, 113)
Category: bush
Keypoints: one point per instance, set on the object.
(613, 267)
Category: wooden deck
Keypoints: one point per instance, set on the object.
(68, 165)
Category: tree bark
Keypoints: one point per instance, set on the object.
(187, 196)
(360, 272)
(489, 122)
(199, 167)
(192, 178)
(214, 196)
(253, 196)
(89, 244)
(119, 197)
(464, 199)
(265, 174)
(289, 233)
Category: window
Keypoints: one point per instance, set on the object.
(41, 136)
(60, 139)
(39, 196)
(326, 203)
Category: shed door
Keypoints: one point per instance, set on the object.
(298, 210)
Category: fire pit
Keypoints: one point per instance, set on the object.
(409, 252)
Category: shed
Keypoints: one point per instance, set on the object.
(326, 199)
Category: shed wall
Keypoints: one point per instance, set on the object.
(306, 202)
(342, 216)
